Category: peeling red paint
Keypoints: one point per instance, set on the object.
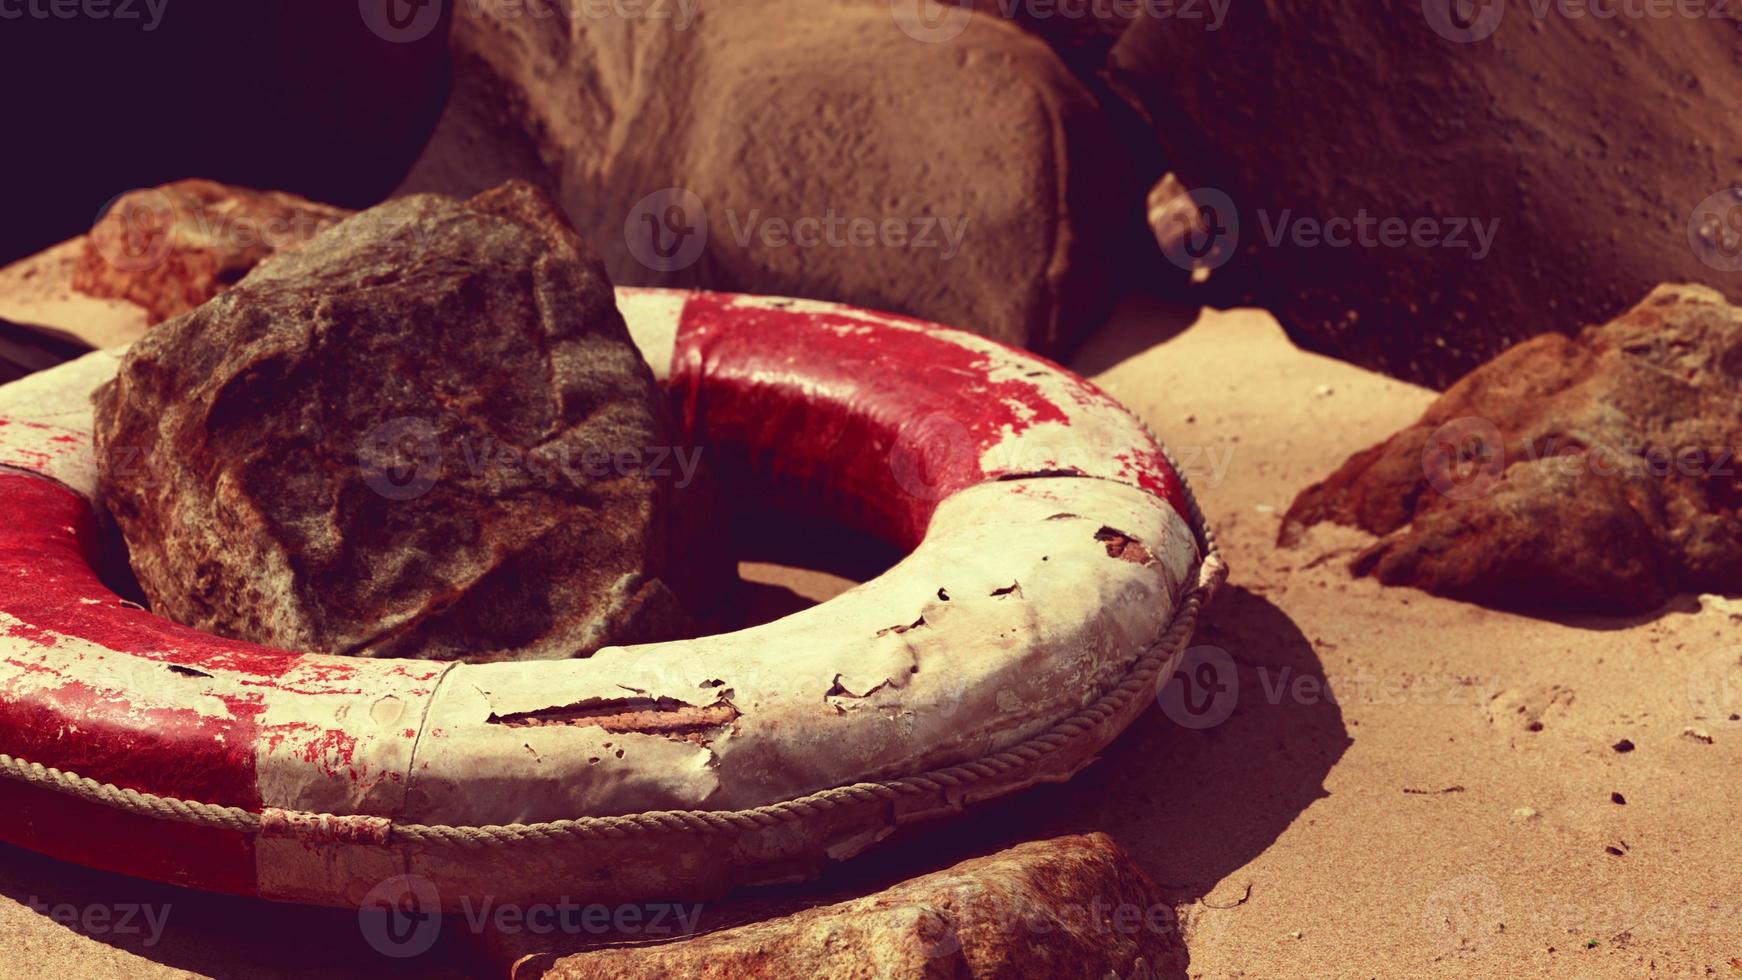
(874, 433)
(796, 402)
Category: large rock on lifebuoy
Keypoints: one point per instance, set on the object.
(857, 152)
(424, 433)
(1591, 151)
(1597, 473)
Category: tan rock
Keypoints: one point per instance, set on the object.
(1064, 908)
(1598, 472)
(168, 249)
(1589, 151)
(855, 154)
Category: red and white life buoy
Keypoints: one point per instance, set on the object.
(1056, 568)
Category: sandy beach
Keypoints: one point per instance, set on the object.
(1401, 785)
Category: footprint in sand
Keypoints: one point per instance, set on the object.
(1529, 709)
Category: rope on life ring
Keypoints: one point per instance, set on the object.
(305, 777)
(1141, 681)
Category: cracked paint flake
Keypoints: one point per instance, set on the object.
(667, 717)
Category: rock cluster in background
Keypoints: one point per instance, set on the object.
(1599, 472)
(1071, 907)
(1009, 205)
(1599, 146)
(406, 438)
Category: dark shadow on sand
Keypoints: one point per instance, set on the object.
(1141, 321)
(212, 935)
(1599, 623)
(1191, 805)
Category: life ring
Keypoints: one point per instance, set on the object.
(1057, 566)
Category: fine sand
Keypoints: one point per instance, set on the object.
(1402, 786)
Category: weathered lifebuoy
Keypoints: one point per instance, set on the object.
(1057, 567)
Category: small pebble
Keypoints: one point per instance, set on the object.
(1524, 813)
(1696, 735)
(1625, 745)
(1617, 799)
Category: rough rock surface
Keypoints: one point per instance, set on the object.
(424, 433)
(1597, 472)
(171, 248)
(1065, 908)
(988, 188)
(1599, 143)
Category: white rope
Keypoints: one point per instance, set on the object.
(1141, 681)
